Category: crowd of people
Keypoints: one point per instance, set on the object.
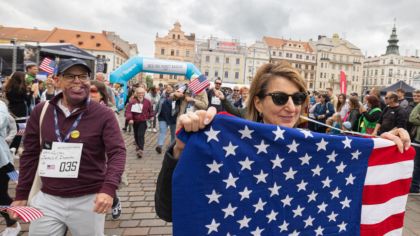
(75, 107)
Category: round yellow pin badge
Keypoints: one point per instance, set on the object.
(75, 134)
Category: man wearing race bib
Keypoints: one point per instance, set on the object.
(77, 182)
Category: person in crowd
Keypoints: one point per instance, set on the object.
(214, 101)
(241, 103)
(6, 165)
(101, 78)
(377, 93)
(235, 96)
(311, 110)
(342, 105)
(370, 116)
(98, 93)
(167, 113)
(392, 117)
(322, 112)
(81, 201)
(139, 111)
(414, 120)
(336, 122)
(191, 102)
(331, 97)
(153, 96)
(277, 96)
(353, 114)
(50, 90)
(401, 98)
(19, 99)
(31, 71)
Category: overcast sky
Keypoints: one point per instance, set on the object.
(367, 24)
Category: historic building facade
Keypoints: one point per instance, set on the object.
(384, 70)
(333, 56)
(257, 55)
(176, 45)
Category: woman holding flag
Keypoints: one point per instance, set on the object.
(277, 96)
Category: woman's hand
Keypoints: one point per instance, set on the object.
(400, 137)
(192, 122)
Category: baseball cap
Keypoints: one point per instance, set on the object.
(65, 64)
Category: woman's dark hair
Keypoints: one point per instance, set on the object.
(339, 103)
(102, 90)
(16, 82)
(354, 103)
(373, 101)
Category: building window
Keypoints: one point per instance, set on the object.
(207, 58)
(160, 76)
(390, 72)
(307, 58)
(175, 77)
(177, 52)
(238, 61)
(179, 36)
(236, 75)
(217, 59)
(322, 65)
(383, 72)
(173, 36)
(279, 54)
(172, 52)
(274, 53)
(206, 73)
(227, 60)
(226, 74)
(187, 53)
(216, 73)
(162, 51)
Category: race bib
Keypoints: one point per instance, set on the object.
(62, 161)
(137, 108)
(215, 101)
(173, 105)
(190, 109)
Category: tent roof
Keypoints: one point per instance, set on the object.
(400, 84)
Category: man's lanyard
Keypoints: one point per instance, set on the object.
(72, 128)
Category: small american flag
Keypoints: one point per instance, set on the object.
(13, 175)
(198, 84)
(21, 131)
(47, 65)
(25, 213)
(50, 167)
(257, 179)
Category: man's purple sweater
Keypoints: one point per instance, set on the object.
(101, 137)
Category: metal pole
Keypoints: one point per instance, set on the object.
(14, 58)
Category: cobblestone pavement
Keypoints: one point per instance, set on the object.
(139, 218)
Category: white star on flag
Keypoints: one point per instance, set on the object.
(305, 159)
(229, 211)
(279, 133)
(317, 170)
(298, 211)
(257, 232)
(272, 216)
(340, 168)
(322, 145)
(335, 193)
(259, 206)
(293, 147)
(342, 226)
(284, 226)
(347, 143)
(319, 231)
(262, 147)
(309, 221)
(214, 167)
(350, 179)
(246, 133)
(274, 190)
(261, 177)
(230, 149)
(212, 134)
(322, 207)
(345, 203)
(287, 200)
(355, 155)
(277, 162)
(307, 133)
(244, 222)
(245, 193)
(231, 181)
(290, 174)
(312, 196)
(302, 186)
(331, 157)
(212, 226)
(213, 197)
(246, 164)
(332, 217)
(326, 182)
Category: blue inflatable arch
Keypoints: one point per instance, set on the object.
(139, 64)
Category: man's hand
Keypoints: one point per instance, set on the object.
(219, 94)
(103, 203)
(12, 214)
(189, 99)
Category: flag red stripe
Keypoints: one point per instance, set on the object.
(391, 223)
(389, 155)
(377, 194)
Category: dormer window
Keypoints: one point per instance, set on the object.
(98, 44)
(77, 35)
(80, 43)
(92, 36)
(62, 41)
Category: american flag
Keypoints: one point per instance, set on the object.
(13, 175)
(198, 84)
(47, 65)
(238, 177)
(25, 213)
(21, 130)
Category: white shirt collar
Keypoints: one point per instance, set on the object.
(65, 110)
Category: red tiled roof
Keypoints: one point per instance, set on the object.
(278, 43)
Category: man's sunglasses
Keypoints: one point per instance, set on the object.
(280, 98)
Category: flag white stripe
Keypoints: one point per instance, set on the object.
(374, 214)
(381, 143)
(384, 174)
(396, 232)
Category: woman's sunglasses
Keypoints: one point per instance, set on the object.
(280, 98)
